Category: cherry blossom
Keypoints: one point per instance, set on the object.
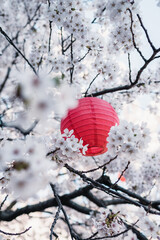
(53, 53)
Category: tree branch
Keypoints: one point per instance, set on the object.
(133, 37)
(85, 94)
(15, 234)
(61, 207)
(27, 23)
(129, 65)
(146, 33)
(21, 130)
(2, 203)
(114, 184)
(115, 191)
(5, 79)
(129, 86)
(50, 35)
(55, 221)
(99, 167)
(8, 215)
(11, 43)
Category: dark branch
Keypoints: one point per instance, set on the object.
(50, 35)
(129, 65)
(27, 23)
(134, 230)
(93, 21)
(20, 129)
(2, 203)
(94, 199)
(66, 200)
(5, 79)
(80, 59)
(134, 83)
(91, 84)
(146, 33)
(11, 43)
(115, 191)
(79, 208)
(55, 221)
(61, 207)
(133, 36)
(121, 174)
(99, 167)
(15, 234)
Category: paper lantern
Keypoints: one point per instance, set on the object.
(91, 121)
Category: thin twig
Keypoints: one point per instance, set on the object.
(94, 199)
(27, 23)
(71, 73)
(128, 86)
(146, 33)
(50, 35)
(102, 187)
(139, 235)
(61, 206)
(108, 237)
(62, 41)
(2, 203)
(20, 129)
(71, 47)
(129, 65)
(55, 221)
(157, 57)
(110, 191)
(121, 174)
(93, 21)
(15, 234)
(101, 166)
(72, 68)
(11, 42)
(129, 227)
(49, 3)
(133, 36)
(80, 59)
(91, 84)
(52, 152)
(5, 79)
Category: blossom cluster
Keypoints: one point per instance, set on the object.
(127, 138)
(72, 46)
(41, 96)
(67, 147)
(114, 13)
(22, 166)
(109, 223)
(128, 142)
(68, 14)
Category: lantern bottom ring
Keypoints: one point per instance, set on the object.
(93, 151)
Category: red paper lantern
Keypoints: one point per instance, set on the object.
(91, 121)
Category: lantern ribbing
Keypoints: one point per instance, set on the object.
(91, 121)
